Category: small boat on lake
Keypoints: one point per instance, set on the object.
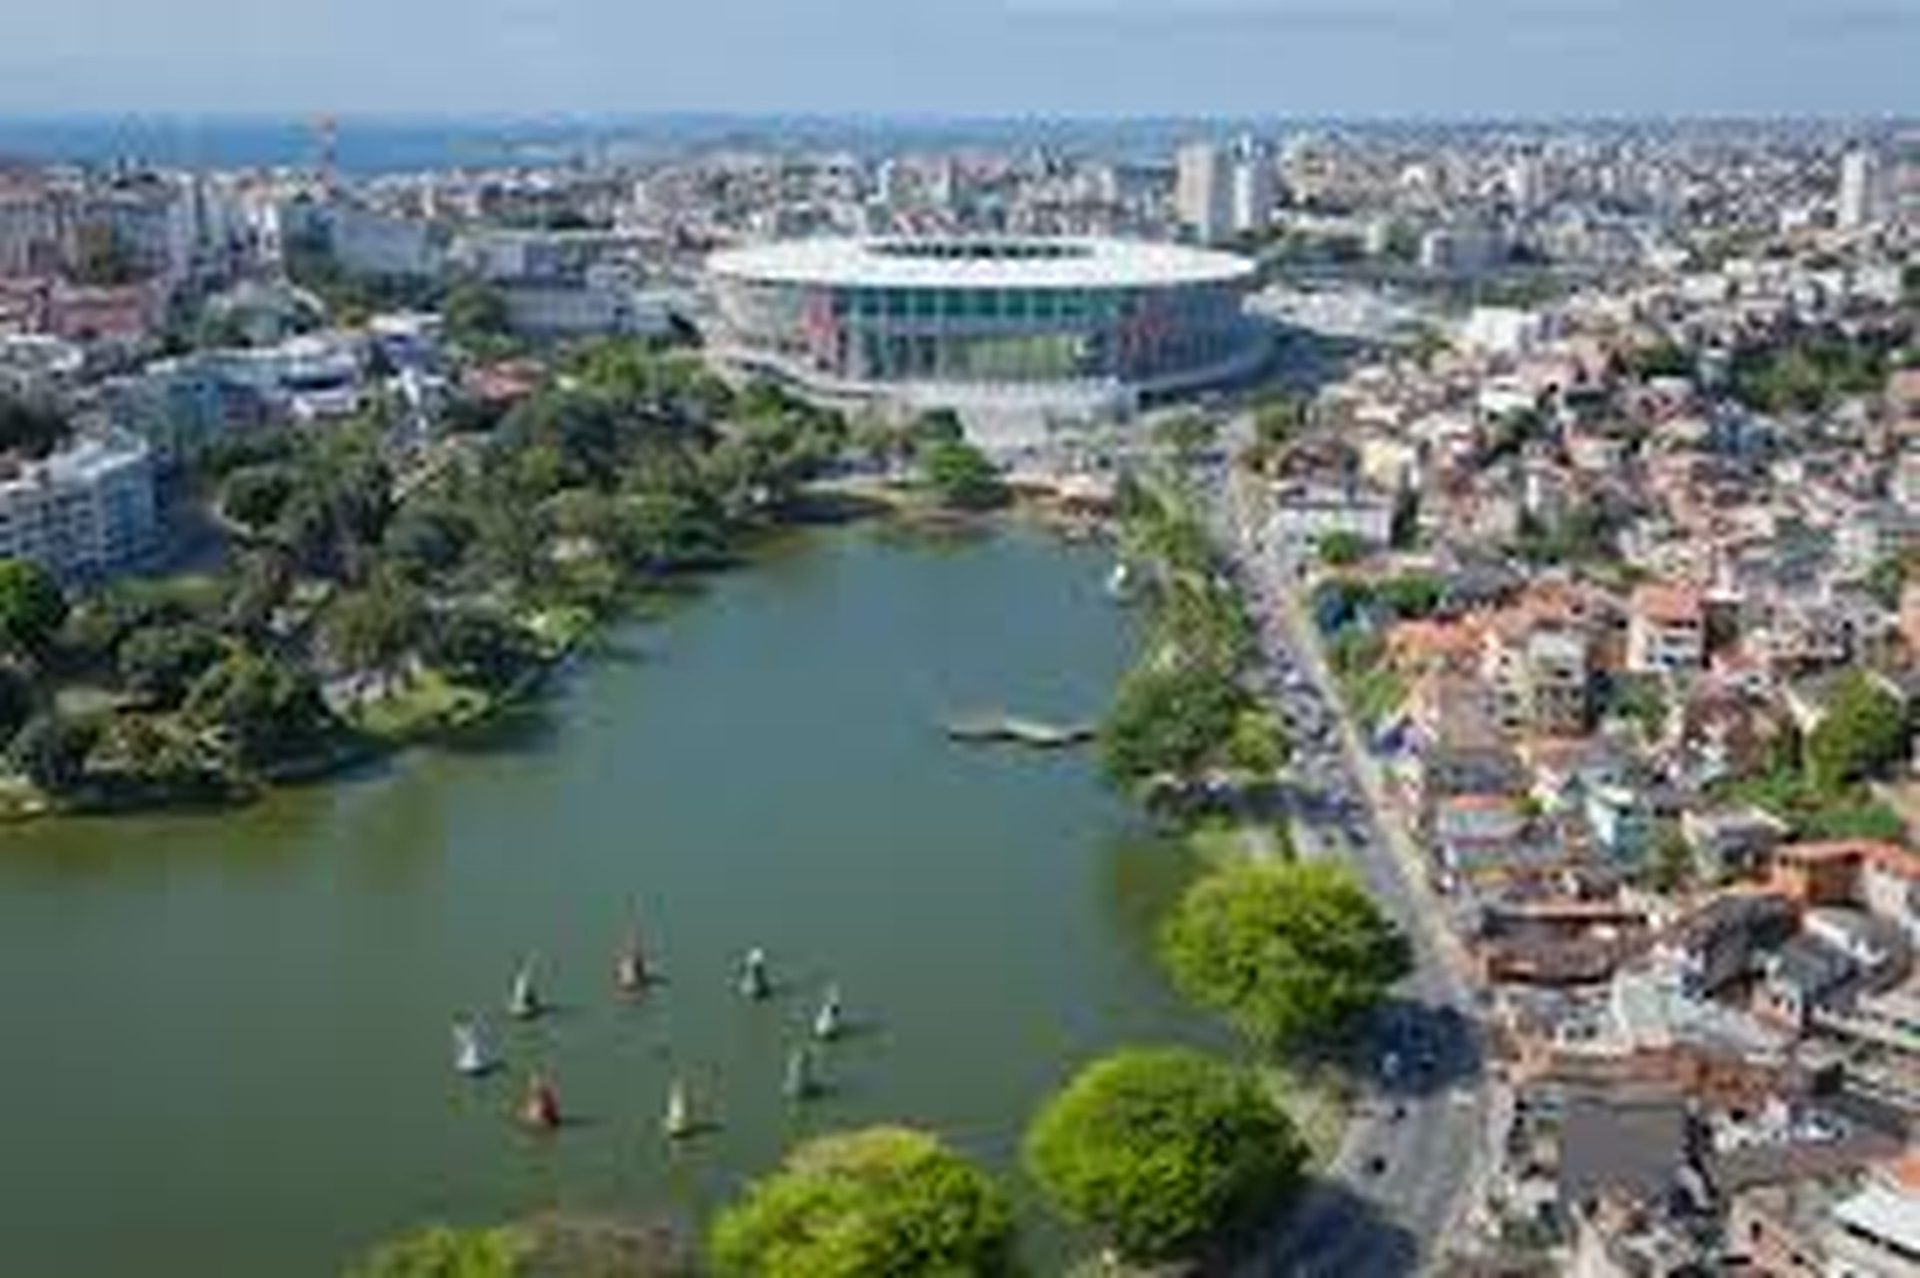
(754, 983)
(800, 1083)
(540, 1109)
(523, 1000)
(630, 974)
(470, 1055)
(678, 1123)
(828, 1021)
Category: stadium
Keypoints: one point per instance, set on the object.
(963, 317)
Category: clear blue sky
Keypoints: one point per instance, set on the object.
(999, 57)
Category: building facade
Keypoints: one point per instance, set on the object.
(858, 315)
(1203, 192)
(86, 511)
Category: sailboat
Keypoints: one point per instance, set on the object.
(753, 975)
(469, 1049)
(523, 1001)
(540, 1109)
(800, 1084)
(630, 975)
(678, 1121)
(827, 1022)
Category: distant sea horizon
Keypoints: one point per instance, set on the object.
(373, 144)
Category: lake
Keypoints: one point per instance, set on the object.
(226, 1040)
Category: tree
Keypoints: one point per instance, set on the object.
(1169, 719)
(960, 476)
(936, 426)
(32, 606)
(440, 1252)
(160, 663)
(1341, 548)
(1404, 529)
(51, 751)
(16, 702)
(1162, 1149)
(31, 427)
(1664, 359)
(428, 539)
(1258, 746)
(1278, 417)
(1290, 953)
(1188, 436)
(268, 712)
(373, 628)
(1671, 866)
(1863, 732)
(1412, 594)
(152, 749)
(1639, 700)
(478, 648)
(1886, 579)
(884, 445)
(476, 318)
(259, 583)
(882, 1201)
(256, 495)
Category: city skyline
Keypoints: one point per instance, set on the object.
(971, 58)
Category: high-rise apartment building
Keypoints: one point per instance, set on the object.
(1202, 194)
(1858, 201)
(1253, 186)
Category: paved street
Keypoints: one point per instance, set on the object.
(1394, 1189)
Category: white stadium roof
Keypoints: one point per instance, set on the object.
(979, 262)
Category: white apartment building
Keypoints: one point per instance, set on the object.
(1255, 185)
(1303, 513)
(1858, 200)
(1203, 195)
(85, 511)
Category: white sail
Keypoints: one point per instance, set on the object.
(678, 1121)
(826, 1021)
(469, 1051)
(524, 1000)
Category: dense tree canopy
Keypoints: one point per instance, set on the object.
(32, 606)
(441, 1252)
(1188, 436)
(30, 427)
(1863, 732)
(1290, 953)
(16, 701)
(51, 751)
(960, 476)
(267, 711)
(1341, 548)
(1171, 720)
(372, 628)
(255, 495)
(1162, 1149)
(161, 662)
(380, 568)
(476, 318)
(885, 1202)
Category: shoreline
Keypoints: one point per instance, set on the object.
(829, 504)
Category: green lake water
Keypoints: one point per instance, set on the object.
(225, 1038)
